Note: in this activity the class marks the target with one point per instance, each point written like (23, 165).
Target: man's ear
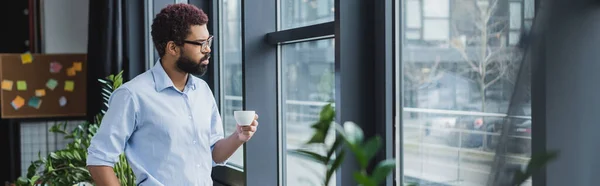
(172, 48)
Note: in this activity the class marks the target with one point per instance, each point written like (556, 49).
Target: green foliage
(68, 166)
(351, 137)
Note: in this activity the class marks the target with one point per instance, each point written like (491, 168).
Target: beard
(189, 66)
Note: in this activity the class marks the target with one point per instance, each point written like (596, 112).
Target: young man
(165, 120)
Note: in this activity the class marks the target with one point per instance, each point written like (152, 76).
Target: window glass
(307, 85)
(298, 13)
(435, 8)
(529, 9)
(515, 15)
(413, 14)
(231, 70)
(457, 82)
(435, 29)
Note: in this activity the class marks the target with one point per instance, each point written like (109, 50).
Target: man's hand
(244, 133)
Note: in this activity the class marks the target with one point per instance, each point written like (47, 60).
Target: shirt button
(198, 165)
(190, 116)
(194, 141)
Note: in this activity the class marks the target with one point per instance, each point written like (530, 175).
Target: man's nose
(206, 50)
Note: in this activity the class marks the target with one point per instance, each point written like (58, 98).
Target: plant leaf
(382, 170)
(327, 113)
(336, 164)
(309, 155)
(34, 179)
(322, 126)
(363, 179)
(336, 144)
(54, 155)
(354, 135)
(371, 147)
(320, 133)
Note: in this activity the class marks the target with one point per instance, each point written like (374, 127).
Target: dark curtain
(116, 43)
(105, 53)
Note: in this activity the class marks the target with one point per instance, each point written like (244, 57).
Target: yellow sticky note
(40, 92)
(77, 66)
(26, 58)
(18, 102)
(7, 85)
(71, 71)
(69, 86)
(21, 85)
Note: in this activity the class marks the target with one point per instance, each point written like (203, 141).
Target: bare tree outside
(485, 48)
(491, 59)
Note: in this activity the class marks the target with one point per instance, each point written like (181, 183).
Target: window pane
(298, 13)
(529, 9)
(413, 14)
(307, 85)
(436, 8)
(413, 34)
(231, 55)
(436, 30)
(513, 38)
(456, 95)
(515, 15)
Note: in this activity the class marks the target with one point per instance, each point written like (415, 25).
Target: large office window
(459, 67)
(231, 69)
(308, 84)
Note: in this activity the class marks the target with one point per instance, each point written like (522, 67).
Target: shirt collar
(162, 80)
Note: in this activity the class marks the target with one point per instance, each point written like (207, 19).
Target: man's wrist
(237, 139)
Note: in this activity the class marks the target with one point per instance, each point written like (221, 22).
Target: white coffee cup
(244, 117)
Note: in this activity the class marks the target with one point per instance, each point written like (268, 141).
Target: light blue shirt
(167, 135)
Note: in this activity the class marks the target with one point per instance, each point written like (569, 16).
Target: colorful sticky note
(69, 86)
(77, 66)
(62, 101)
(51, 84)
(18, 102)
(26, 58)
(55, 67)
(7, 85)
(21, 85)
(40, 92)
(35, 102)
(71, 71)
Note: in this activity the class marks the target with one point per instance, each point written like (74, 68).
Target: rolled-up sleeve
(216, 131)
(115, 129)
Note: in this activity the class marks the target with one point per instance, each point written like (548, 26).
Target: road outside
(425, 158)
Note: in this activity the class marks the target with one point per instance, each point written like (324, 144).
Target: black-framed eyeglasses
(204, 44)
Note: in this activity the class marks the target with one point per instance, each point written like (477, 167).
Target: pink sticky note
(55, 67)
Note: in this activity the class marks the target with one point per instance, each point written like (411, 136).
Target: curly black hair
(173, 24)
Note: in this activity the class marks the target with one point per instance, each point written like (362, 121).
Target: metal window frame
(301, 34)
(364, 90)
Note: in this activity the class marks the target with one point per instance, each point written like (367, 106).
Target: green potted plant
(68, 166)
(347, 137)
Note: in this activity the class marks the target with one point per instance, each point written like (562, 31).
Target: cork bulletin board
(43, 85)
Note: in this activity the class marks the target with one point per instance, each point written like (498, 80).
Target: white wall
(64, 30)
(65, 26)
